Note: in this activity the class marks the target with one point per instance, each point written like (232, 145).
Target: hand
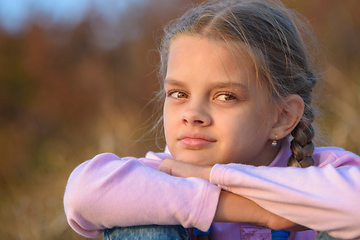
(183, 169)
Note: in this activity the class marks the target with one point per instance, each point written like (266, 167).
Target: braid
(302, 146)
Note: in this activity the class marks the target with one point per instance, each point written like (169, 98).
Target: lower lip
(195, 143)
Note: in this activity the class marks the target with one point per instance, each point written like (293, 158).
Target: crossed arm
(231, 207)
(328, 193)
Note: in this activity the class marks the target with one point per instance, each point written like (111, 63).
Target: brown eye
(178, 94)
(226, 97)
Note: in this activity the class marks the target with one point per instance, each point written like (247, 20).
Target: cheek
(172, 114)
(167, 127)
(232, 123)
(169, 121)
(166, 114)
(241, 130)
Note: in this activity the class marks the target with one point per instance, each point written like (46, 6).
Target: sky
(15, 15)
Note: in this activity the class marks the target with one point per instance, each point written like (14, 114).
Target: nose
(196, 114)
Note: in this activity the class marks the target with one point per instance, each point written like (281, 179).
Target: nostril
(196, 121)
(195, 118)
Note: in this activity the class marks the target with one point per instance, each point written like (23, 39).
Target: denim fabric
(325, 236)
(148, 232)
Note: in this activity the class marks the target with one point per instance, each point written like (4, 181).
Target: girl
(237, 83)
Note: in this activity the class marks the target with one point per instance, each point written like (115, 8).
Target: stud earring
(274, 142)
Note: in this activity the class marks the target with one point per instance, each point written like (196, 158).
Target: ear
(290, 112)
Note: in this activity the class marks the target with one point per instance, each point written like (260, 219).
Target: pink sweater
(108, 191)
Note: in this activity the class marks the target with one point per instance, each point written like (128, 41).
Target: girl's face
(214, 112)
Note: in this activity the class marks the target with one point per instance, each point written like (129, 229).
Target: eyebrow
(173, 82)
(220, 85)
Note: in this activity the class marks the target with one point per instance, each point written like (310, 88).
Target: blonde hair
(274, 39)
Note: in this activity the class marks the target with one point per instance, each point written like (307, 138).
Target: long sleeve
(324, 198)
(108, 191)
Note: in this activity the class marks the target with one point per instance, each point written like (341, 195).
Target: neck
(268, 154)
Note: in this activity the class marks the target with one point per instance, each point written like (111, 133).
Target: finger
(164, 169)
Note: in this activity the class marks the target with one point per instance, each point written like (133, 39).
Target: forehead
(227, 52)
(209, 59)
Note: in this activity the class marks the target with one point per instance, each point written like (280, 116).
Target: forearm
(231, 207)
(301, 195)
(235, 208)
(107, 192)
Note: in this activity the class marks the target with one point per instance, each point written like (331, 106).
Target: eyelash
(228, 94)
(170, 93)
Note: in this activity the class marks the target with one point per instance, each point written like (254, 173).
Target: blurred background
(77, 78)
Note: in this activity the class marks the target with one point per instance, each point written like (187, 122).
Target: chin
(193, 159)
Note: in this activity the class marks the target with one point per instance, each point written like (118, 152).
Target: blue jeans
(147, 232)
(325, 236)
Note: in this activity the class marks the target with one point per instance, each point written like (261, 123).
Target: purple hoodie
(109, 191)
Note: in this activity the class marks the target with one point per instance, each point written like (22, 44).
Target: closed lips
(199, 136)
(196, 141)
